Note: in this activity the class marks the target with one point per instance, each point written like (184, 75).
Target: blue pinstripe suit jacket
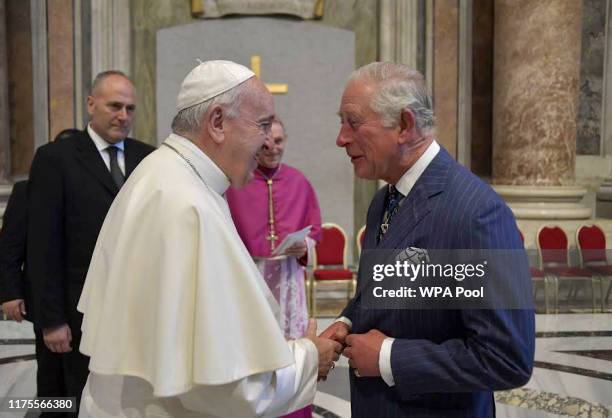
(445, 363)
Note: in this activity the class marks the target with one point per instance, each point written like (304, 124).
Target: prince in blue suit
(425, 363)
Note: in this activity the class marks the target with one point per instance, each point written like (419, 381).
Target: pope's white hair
(398, 87)
(190, 120)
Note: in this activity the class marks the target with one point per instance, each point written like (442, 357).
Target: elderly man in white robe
(178, 321)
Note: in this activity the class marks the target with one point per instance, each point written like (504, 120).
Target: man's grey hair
(190, 120)
(102, 76)
(398, 87)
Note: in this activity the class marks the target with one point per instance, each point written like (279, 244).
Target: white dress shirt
(404, 186)
(101, 145)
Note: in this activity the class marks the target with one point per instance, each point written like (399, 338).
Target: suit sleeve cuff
(346, 321)
(384, 361)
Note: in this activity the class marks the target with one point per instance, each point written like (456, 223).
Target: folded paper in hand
(292, 239)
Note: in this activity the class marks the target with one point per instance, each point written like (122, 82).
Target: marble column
(604, 194)
(398, 38)
(446, 72)
(5, 145)
(110, 36)
(535, 98)
(60, 42)
(40, 78)
(5, 155)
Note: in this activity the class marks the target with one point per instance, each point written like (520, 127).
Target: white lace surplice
(285, 278)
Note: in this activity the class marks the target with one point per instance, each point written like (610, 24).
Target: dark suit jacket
(70, 193)
(445, 363)
(13, 281)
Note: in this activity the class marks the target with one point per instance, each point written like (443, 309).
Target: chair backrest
(553, 245)
(359, 239)
(332, 249)
(591, 242)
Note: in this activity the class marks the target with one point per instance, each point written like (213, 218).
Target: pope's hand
(14, 309)
(329, 350)
(57, 339)
(297, 250)
(336, 331)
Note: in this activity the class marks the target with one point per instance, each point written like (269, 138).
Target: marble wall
(588, 141)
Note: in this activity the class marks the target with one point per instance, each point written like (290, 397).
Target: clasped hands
(362, 350)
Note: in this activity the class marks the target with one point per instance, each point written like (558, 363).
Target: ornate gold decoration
(211, 9)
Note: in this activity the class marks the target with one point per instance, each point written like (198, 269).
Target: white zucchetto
(209, 79)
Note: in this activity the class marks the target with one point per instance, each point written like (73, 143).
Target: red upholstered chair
(359, 239)
(547, 280)
(591, 241)
(330, 263)
(554, 259)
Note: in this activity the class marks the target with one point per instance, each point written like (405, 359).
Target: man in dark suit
(15, 291)
(72, 185)
(425, 363)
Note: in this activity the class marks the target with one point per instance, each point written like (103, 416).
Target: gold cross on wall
(273, 88)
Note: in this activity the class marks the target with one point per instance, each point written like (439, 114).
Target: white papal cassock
(177, 319)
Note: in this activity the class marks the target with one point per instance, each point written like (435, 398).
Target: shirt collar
(100, 143)
(206, 168)
(410, 177)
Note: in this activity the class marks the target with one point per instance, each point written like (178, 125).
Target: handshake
(362, 350)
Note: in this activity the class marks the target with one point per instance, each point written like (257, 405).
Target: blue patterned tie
(394, 200)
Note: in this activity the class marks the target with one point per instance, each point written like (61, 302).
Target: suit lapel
(417, 204)
(132, 157)
(91, 159)
(374, 217)
(413, 209)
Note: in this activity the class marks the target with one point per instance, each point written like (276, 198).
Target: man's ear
(215, 119)
(90, 104)
(406, 124)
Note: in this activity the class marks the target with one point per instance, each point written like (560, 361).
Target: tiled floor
(573, 374)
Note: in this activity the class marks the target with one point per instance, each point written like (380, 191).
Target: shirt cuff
(346, 321)
(384, 361)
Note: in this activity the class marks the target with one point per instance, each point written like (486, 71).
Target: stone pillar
(60, 55)
(604, 194)
(5, 154)
(535, 98)
(446, 72)
(5, 145)
(110, 36)
(398, 39)
(40, 76)
(398, 36)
